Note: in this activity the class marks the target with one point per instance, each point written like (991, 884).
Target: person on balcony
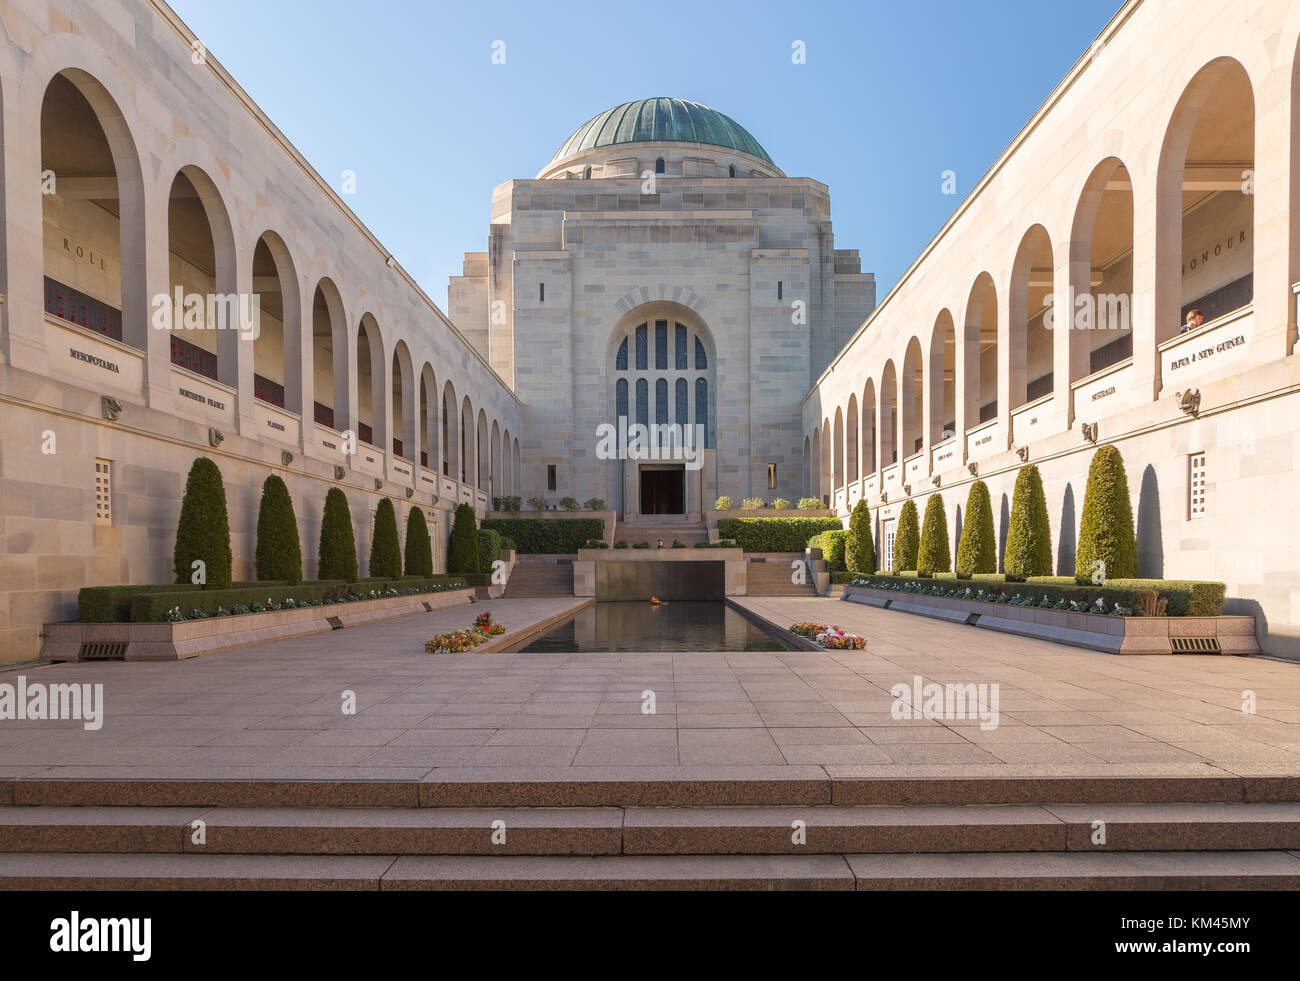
(1194, 319)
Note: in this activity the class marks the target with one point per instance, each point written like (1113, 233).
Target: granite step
(651, 831)
(1184, 871)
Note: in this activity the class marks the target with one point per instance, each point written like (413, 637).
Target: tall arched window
(652, 360)
(659, 166)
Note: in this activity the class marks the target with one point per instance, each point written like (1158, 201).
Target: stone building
(664, 270)
(1046, 317)
(134, 169)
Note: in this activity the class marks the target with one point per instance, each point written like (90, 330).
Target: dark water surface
(645, 628)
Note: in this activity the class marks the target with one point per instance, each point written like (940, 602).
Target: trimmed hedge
(775, 534)
(279, 550)
(462, 546)
(935, 554)
(489, 549)
(338, 545)
(977, 551)
(154, 607)
(1185, 598)
(1106, 527)
(548, 536)
(833, 545)
(385, 553)
(1029, 537)
(860, 548)
(907, 539)
(203, 531)
(419, 548)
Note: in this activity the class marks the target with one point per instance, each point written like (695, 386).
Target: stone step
(635, 786)
(651, 831)
(530, 580)
(1182, 871)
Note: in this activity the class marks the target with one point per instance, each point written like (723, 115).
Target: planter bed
(1110, 634)
(193, 638)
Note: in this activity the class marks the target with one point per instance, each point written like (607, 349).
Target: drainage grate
(1196, 645)
(335, 623)
(115, 651)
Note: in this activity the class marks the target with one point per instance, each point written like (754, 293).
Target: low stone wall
(1112, 635)
(194, 638)
(586, 578)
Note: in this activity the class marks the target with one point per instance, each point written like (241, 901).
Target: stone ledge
(194, 638)
(1111, 635)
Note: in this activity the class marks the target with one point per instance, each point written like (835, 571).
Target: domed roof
(661, 121)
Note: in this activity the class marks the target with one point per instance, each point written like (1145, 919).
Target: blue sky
(405, 94)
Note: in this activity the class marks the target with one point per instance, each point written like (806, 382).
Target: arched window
(701, 356)
(642, 402)
(702, 410)
(642, 349)
(621, 398)
(680, 348)
(731, 171)
(620, 363)
(587, 174)
(681, 403)
(661, 402)
(659, 166)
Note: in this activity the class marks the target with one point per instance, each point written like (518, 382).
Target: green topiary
(419, 550)
(385, 553)
(338, 545)
(279, 550)
(1107, 544)
(489, 549)
(935, 554)
(860, 550)
(724, 503)
(462, 548)
(1029, 536)
(203, 531)
(907, 539)
(977, 552)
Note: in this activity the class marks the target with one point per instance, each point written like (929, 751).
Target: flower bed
(463, 641)
(831, 638)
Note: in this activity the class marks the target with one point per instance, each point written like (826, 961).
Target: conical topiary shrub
(279, 551)
(203, 531)
(1029, 536)
(907, 539)
(385, 553)
(977, 552)
(462, 548)
(419, 550)
(935, 554)
(1107, 543)
(338, 545)
(860, 548)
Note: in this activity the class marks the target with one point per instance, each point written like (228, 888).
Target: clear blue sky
(404, 93)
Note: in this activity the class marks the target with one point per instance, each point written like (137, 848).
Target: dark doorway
(663, 491)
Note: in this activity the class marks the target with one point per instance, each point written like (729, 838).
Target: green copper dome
(661, 121)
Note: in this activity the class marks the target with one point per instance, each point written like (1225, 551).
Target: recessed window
(551, 477)
(1197, 477)
(771, 476)
(780, 290)
(659, 166)
(103, 492)
(541, 292)
(587, 175)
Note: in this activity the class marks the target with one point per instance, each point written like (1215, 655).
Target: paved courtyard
(276, 711)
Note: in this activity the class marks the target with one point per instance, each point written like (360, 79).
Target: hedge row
(489, 549)
(154, 607)
(1185, 599)
(833, 545)
(547, 536)
(112, 604)
(775, 534)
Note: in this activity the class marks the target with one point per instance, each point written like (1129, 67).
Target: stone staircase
(774, 577)
(652, 531)
(533, 578)
(591, 834)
